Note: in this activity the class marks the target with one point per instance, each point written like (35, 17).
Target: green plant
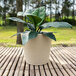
(36, 18)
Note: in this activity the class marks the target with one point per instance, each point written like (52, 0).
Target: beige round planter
(37, 50)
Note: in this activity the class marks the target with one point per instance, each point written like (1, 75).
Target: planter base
(36, 51)
(37, 62)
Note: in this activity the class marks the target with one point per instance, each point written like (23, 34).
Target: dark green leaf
(36, 16)
(19, 33)
(50, 35)
(35, 20)
(28, 36)
(29, 25)
(32, 34)
(16, 19)
(39, 12)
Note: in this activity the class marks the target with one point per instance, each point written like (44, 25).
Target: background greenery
(64, 10)
(63, 35)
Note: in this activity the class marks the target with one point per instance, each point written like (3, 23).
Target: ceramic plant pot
(36, 51)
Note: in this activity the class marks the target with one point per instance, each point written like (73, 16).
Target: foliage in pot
(35, 25)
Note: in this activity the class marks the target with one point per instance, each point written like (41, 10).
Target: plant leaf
(16, 19)
(56, 24)
(25, 37)
(35, 20)
(19, 33)
(28, 12)
(28, 36)
(50, 35)
(29, 25)
(39, 12)
(32, 34)
(36, 16)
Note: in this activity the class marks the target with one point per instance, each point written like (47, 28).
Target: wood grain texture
(62, 62)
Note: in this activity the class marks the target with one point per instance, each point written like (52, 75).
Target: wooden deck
(62, 63)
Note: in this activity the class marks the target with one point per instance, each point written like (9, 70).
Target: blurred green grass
(6, 33)
(63, 35)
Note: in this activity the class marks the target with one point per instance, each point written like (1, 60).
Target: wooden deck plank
(4, 58)
(59, 64)
(71, 55)
(22, 68)
(42, 71)
(62, 63)
(69, 61)
(27, 70)
(13, 68)
(9, 64)
(52, 69)
(32, 72)
(6, 62)
(47, 70)
(62, 70)
(19, 65)
(23, 65)
(71, 50)
(66, 64)
(37, 71)
(1, 50)
(55, 65)
(3, 53)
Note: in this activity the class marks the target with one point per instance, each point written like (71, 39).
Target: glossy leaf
(56, 24)
(25, 37)
(50, 35)
(16, 19)
(39, 12)
(32, 16)
(28, 36)
(32, 35)
(19, 33)
(35, 20)
(36, 16)
(29, 25)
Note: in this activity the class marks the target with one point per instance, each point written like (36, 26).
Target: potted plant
(37, 43)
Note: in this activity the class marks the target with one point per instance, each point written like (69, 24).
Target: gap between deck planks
(62, 62)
